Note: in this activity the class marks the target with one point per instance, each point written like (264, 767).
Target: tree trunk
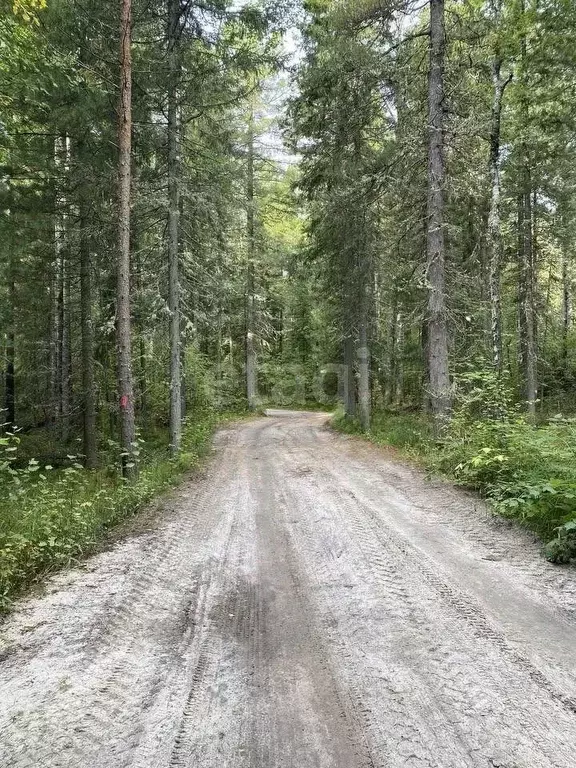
(399, 368)
(349, 377)
(251, 369)
(526, 296)
(142, 374)
(363, 357)
(493, 234)
(392, 350)
(396, 342)
(218, 372)
(9, 375)
(90, 448)
(62, 163)
(174, 226)
(426, 407)
(123, 320)
(53, 363)
(65, 352)
(566, 306)
(438, 364)
(527, 324)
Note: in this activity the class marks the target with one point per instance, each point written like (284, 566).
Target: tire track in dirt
(464, 516)
(223, 617)
(395, 714)
(294, 609)
(119, 664)
(341, 707)
(399, 570)
(561, 622)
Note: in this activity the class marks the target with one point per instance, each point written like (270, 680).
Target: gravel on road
(307, 602)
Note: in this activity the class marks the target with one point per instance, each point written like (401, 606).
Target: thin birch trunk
(493, 235)
(566, 305)
(525, 298)
(399, 369)
(529, 310)
(62, 162)
(10, 363)
(53, 364)
(392, 350)
(65, 351)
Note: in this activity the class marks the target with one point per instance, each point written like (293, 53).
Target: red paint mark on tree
(124, 402)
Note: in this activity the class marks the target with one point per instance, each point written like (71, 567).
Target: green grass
(308, 405)
(528, 473)
(410, 433)
(50, 518)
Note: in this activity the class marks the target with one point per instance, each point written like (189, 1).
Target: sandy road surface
(307, 603)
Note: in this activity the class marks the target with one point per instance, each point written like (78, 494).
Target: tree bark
(527, 325)
(62, 163)
(389, 392)
(566, 306)
(89, 431)
(365, 313)
(173, 227)
(53, 363)
(526, 296)
(251, 363)
(396, 342)
(493, 234)
(438, 363)
(10, 365)
(349, 377)
(399, 367)
(123, 320)
(142, 373)
(363, 357)
(65, 351)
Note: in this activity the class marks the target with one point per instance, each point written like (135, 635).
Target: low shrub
(562, 549)
(50, 518)
(410, 432)
(527, 472)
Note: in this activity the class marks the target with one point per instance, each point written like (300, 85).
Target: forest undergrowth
(526, 471)
(52, 517)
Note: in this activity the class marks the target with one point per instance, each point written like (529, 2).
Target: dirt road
(308, 603)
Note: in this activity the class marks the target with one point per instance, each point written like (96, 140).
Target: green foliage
(540, 503)
(527, 472)
(410, 432)
(344, 423)
(330, 384)
(290, 385)
(50, 518)
(562, 549)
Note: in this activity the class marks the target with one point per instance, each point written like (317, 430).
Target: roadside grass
(308, 405)
(526, 472)
(410, 433)
(51, 518)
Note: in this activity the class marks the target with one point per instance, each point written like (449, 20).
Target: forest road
(308, 602)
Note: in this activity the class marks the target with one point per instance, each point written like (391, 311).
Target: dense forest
(209, 207)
